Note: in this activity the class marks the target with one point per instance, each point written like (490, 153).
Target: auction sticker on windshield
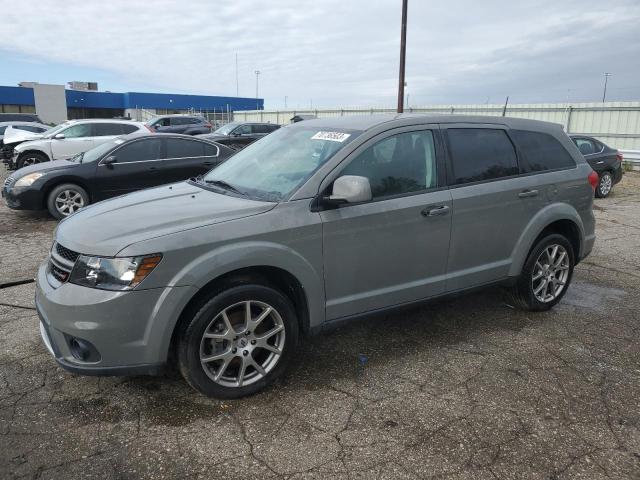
(333, 136)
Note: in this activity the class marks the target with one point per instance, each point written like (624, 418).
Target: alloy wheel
(242, 343)
(606, 183)
(68, 202)
(550, 273)
(30, 161)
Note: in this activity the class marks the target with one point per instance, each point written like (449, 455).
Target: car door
(133, 166)
(186, 158)
(492, 203)
(392, 249)
(77, 139)
(242, 135)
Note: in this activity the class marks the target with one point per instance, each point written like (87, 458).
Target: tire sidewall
(191, 336)
(51, 204)
(20, 162)
(526, 287)
(599, 193)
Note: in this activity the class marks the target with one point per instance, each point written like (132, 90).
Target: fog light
(83, 350)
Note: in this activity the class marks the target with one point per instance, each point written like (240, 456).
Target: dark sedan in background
(119, 166)
(185, 124)
(238, 135)
(605, 161)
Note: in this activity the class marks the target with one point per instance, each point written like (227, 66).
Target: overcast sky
(330, 52)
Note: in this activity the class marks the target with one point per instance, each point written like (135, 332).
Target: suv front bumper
(130, 332)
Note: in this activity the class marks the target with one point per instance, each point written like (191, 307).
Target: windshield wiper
(225, 185)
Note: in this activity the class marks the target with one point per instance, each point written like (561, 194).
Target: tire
(524, 293)
(75, 197)
(605, 185)
(30, 158)
(236, 347)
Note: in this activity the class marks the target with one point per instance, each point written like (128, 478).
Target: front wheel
(239, 341)
(66, 199)
(546, 274)
(605, 185)
(30, 158)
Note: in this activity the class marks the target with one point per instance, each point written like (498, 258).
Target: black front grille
(58, 273)
(66, 253)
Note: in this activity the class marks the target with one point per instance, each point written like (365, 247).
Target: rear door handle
(528, 193)
(435, 211)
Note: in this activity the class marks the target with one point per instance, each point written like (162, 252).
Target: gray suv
(319, 222)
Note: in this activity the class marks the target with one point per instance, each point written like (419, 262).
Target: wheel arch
(555, 218)
(56, 182)
(33, 150)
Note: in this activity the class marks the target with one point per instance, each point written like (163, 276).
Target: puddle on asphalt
(591, 296)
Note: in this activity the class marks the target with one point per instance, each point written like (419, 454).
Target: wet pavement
(462, 389)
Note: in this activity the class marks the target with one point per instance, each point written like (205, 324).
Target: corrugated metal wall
(615, 123)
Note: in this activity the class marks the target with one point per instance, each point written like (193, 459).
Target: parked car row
(317, 223)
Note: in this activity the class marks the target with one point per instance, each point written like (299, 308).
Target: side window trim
(440, 165)
(449, 159)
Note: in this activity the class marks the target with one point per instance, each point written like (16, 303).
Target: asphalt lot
(467, 388)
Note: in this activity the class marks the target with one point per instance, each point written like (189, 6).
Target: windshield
(226, 129)
(53, 130)
(274, 167)
(97, 152)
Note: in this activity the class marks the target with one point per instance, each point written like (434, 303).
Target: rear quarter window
(541, 152)
(480, 154)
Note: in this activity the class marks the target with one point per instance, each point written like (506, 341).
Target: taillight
(149, 128)
(620, 157)
(593, 180)
(208, 125)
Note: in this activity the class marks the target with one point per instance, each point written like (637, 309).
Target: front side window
(275, 166)
(184, 148)
(541, 151)
(397, 165)
(242, 130)
(480, 154)
(140, 150)
(77, 131)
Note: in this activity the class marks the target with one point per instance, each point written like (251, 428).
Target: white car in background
(14, 132)
(71, 138)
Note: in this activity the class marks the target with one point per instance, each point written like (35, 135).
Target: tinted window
(29, 128)
(273, 128)
(128, 128)
(479, 154)
(260, 129)
(541, 151)
(77, 131)
(398, 164)
(210, 150)
(139, 150)
(2, 129)
(106, 129)
(182, 121)
(242, 130)
(182, 147)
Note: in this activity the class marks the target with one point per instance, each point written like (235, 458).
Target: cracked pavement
(467, 388)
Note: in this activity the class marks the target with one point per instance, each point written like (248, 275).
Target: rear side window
(106, 129)
(541, 152)
(210, 150)
(139, 150)
(128, 128)
(260, 129)
(182, 121)
(480, 154)
(183, 148)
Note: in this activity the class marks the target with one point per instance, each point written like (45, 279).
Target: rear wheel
(605, 185)
(31, 158)
(66, 199)
(546, 274)
(239, 341)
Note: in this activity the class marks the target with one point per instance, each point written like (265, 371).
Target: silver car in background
(317, 223)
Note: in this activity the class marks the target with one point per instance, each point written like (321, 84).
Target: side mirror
(110, 160)
(350, 189)
(59, 136)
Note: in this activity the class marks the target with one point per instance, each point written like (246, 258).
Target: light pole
(285, 102)
(403, 54)
(257, 72)
(604, 93)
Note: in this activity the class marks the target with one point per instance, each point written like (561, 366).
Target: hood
(43, 167)
(107, 227)
(16, 135)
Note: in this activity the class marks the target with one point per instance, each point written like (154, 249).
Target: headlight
(28, 180)
(113, 273)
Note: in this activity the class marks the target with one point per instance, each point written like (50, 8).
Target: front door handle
(435, 211)
(528, 194)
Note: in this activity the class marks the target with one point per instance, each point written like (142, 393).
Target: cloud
(336, 52)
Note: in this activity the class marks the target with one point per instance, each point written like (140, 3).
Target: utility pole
(237, 84)
(257, 72)
(504, 109)
(403, 54)
(604, 94)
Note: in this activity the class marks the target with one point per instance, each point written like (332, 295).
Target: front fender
(549, 214)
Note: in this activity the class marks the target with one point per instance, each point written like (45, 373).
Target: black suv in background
(185, 124)
(605, 161)
(238, 135)
(19, 117)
